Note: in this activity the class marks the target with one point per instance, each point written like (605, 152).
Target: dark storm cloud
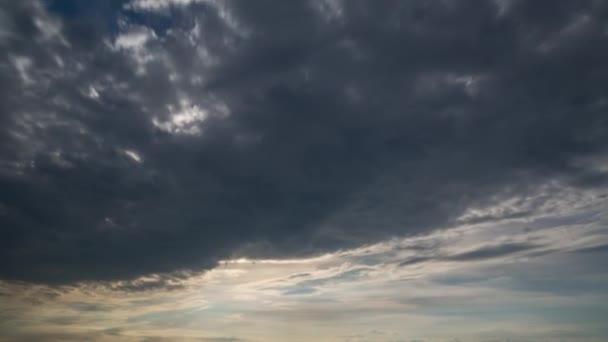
(327, 125)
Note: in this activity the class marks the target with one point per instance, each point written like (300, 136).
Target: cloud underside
(164, 136)
(491, 281)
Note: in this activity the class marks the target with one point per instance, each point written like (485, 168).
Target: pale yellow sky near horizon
(452, 283)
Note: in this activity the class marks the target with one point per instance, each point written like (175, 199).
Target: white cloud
(134, 42)
(183, 121)
(186, 118)
(136, 157)
(152, 5)
(50, 28)
(135, 38)
(92, 93)
(23, 64)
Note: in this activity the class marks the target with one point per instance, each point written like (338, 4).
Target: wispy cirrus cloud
(448, 282)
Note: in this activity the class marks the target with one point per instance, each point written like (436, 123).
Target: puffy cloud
(146, 142)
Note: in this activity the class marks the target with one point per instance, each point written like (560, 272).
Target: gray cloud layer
(140, 140)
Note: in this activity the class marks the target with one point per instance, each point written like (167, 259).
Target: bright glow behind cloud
(451, 283)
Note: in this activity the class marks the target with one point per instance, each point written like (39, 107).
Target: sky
(307, 170)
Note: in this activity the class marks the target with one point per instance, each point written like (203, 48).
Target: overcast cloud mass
(310, 170)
